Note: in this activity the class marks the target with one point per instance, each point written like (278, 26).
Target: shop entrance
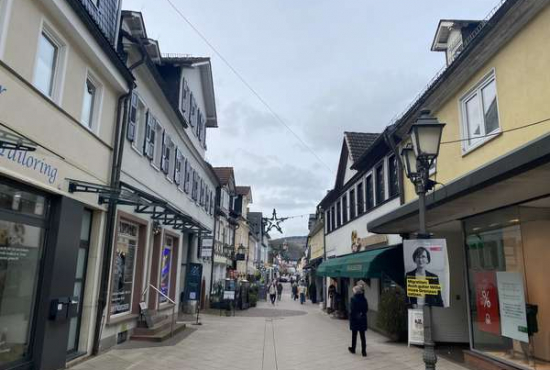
(22, 234)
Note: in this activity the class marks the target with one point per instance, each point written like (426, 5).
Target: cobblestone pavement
(288, 336)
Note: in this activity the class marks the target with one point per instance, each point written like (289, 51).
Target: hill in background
(296, 246)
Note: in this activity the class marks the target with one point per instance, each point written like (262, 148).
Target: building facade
(493, 161)
(59, 103)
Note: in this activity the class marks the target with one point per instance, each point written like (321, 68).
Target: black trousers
(354, 340)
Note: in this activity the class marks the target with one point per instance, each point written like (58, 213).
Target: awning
(159, 210)
(372, 263)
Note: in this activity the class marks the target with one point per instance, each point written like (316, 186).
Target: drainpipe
(120, 135)
(213, 246)
(325, 295)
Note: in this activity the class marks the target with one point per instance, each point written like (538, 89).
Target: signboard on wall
(416, 326)
(488, 319)
(513, 314)
(206, 247)
(427, 272)
(193, 282)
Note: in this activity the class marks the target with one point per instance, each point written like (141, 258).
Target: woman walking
(273, 292)
(302, 290)
(279, 290)
(358, 319)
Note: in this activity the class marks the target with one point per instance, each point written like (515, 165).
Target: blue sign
(193, 282)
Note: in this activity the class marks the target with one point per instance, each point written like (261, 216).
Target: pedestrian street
(286, 336)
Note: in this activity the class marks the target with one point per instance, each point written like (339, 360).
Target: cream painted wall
(523, 93)
(24, 28)
(317, 244)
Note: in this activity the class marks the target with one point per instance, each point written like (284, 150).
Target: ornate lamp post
(425, 135)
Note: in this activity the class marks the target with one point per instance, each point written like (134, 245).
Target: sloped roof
(224, 174)
(358, 142)
(243, 190)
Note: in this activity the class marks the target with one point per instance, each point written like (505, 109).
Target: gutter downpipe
(112, 208)
(325, 295)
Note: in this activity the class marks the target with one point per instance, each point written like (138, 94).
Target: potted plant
(392, 313)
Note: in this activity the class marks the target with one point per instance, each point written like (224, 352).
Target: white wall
(349, 172)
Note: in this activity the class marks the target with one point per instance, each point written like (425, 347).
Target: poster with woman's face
(427, 272)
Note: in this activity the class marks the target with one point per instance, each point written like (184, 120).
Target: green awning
(367, 264)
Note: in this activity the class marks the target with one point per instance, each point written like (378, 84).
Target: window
(338, 214)
(352, 204)
(150, 136)
(167, 149)
(370, 192)
(124, 267)
(192, 110)
(166, 268)
(184, 101)
(480, 113)
(178, 167)
(158, 149)
(345, 208)
(194, 191)
(393, 177)
(333, 219)
(89, 103)
(380, 190)
(46, 64)
(133, 119)
(187, 177)
(199, 122)
(327, 221)
(360, 199)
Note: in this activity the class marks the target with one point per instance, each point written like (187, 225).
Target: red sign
(488, 318)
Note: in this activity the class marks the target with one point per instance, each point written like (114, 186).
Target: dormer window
(451, 37)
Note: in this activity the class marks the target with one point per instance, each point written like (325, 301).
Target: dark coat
(430, 300)
(358, 312)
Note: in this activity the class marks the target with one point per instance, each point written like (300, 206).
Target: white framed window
(50, 63)
(184, 98)
(179, 172)
(137, 122)
(159, 147)
(187, 177)
(91, 103)
(5, 12)
(479, 113)
(149, 137)
(166, 164)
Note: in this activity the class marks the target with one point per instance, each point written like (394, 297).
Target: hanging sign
(513, 315)
(206, 247)
(488, 319)
(416, 326)
(427, 276)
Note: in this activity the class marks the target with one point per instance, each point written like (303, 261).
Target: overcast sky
(324, 66)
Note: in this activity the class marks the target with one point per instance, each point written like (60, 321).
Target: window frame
(5, 15)
(345, 205)
(469, 145)
(352, 204)
(97, 103)
(393, 158)
(360, 191)
(142, 113)
(50, 32)
(338, 213)
(371, 205)
(379, 165)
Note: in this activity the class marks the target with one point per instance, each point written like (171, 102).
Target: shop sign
(488, 319)
(513, 315)
(206, 248)
(31, 161)
(416, 326)
(356, 267)
(193, 282)
(427, 272)
(358, 244)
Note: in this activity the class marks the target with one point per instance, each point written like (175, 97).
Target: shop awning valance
(145, 203)
(368, 264)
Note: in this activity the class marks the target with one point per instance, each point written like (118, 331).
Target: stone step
(159, 336)
(159, 326)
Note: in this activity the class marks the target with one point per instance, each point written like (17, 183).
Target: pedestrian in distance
(279, 290)
(358, 319)
(302, 291)
(294, 291)
(273, 292)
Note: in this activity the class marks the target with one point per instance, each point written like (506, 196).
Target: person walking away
(358, 319)
(294, 291)
(302, 292)
(272, 292)
(279, 290)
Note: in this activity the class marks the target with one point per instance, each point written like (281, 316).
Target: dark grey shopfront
(40, 244)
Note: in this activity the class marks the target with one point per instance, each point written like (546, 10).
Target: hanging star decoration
(274, 222)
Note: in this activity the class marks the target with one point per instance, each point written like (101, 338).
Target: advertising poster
(427, 272)
(165, 272)
(513, 315)
(193, 281)
(416, 326)
(488, 319)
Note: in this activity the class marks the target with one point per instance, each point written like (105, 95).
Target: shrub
(392, 312)
(252, 298)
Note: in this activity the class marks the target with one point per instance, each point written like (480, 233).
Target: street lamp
(425, 135)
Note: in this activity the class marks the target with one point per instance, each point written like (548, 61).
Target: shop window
(360, 199)
(370, 192)
(393, 176)
(124, 265)
(507, 259)
(479, 108)
(166, 267)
